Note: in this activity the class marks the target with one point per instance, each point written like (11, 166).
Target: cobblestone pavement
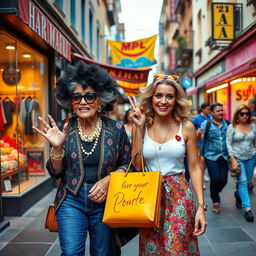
(227, 234)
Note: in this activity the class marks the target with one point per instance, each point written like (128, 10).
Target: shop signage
(38, 22)
(131, 80)
(241, 92)
(223, 21)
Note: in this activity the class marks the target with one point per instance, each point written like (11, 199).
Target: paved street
(227, 233)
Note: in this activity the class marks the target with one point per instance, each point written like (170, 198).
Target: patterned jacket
(115, 151)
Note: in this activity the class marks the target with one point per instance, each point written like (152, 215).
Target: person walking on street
(84, 151)
(163, 134)
(197, 121)
(213, 131)
(252, 107)
(241, 142)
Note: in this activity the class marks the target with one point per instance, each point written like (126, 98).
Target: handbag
(133, 198)
(51, 221)
(234, 172)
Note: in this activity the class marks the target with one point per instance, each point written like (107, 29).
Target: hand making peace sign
(137, 114)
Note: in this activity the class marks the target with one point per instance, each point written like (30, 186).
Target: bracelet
(204, 206)
(56, 158)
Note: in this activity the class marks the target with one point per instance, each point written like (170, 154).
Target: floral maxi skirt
(174, 237)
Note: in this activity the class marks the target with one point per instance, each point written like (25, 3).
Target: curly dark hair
(87, 75)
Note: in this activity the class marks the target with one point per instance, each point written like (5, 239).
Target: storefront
(29, 45)
(238, 83)
(231, 77)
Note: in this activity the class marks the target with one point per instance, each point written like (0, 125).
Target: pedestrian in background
(128, 124)
(163, 133)
(252, 107)
(241, 143)
(84, 152)
(213, 131)
(197, 121)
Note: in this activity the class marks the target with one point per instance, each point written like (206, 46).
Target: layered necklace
(90, 138)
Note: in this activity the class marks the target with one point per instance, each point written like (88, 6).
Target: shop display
(23, 98)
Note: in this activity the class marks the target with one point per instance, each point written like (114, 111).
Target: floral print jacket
(115, 151)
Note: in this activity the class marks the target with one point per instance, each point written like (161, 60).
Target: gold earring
(99, 109)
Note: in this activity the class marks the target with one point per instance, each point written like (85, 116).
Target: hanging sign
(223, 27)
(134, 54)
(130, 80)
(40, 24)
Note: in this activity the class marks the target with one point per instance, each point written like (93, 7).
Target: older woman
(241, 143)
(163, 133)
(85, 150)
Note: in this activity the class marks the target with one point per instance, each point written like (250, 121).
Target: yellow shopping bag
(133, 199)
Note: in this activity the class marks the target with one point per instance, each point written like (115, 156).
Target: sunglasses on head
(170, 77)
(89, 97)
(244, 113)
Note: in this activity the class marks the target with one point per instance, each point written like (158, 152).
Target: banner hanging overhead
(223, 21)
(135, 54)
(130, 80)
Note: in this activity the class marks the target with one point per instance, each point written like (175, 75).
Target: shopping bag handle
(142, 163)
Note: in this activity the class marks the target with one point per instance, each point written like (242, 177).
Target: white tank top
(169, 160)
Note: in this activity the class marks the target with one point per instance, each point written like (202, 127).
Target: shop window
(91, 30)
(98, 41)
(73, 13)
(83, 17)
(60, 3)
(23, 97)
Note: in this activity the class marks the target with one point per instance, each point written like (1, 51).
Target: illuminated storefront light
(217, 88)
(243, 79)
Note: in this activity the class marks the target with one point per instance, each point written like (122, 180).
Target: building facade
(224, 71)
(38, 40)
(176, 40)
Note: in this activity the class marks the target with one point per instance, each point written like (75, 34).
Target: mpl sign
(223, 27)
(37, 21)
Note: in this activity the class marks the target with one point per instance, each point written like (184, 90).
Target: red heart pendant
(177, 137)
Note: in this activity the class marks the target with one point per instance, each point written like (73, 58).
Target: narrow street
(227, 234)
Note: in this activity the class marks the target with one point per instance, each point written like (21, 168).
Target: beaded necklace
(94, 136)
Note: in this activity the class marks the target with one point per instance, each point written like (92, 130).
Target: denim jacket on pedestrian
(115, 151)
(215, 142)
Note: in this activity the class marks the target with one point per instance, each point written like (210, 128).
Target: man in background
(197, 121)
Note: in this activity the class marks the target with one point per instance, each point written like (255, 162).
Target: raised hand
(137, 115)
(53, 134)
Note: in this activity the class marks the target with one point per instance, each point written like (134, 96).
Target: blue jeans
(247, 167)
(218, 172)
(77, 215)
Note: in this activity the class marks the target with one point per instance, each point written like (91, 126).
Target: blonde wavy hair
(181, 111)
(236, 113)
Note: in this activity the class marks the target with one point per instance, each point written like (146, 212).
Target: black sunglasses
(89, 97)
(244, 113)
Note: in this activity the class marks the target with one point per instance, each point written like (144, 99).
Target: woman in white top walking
(241, 143)
(163, 134)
